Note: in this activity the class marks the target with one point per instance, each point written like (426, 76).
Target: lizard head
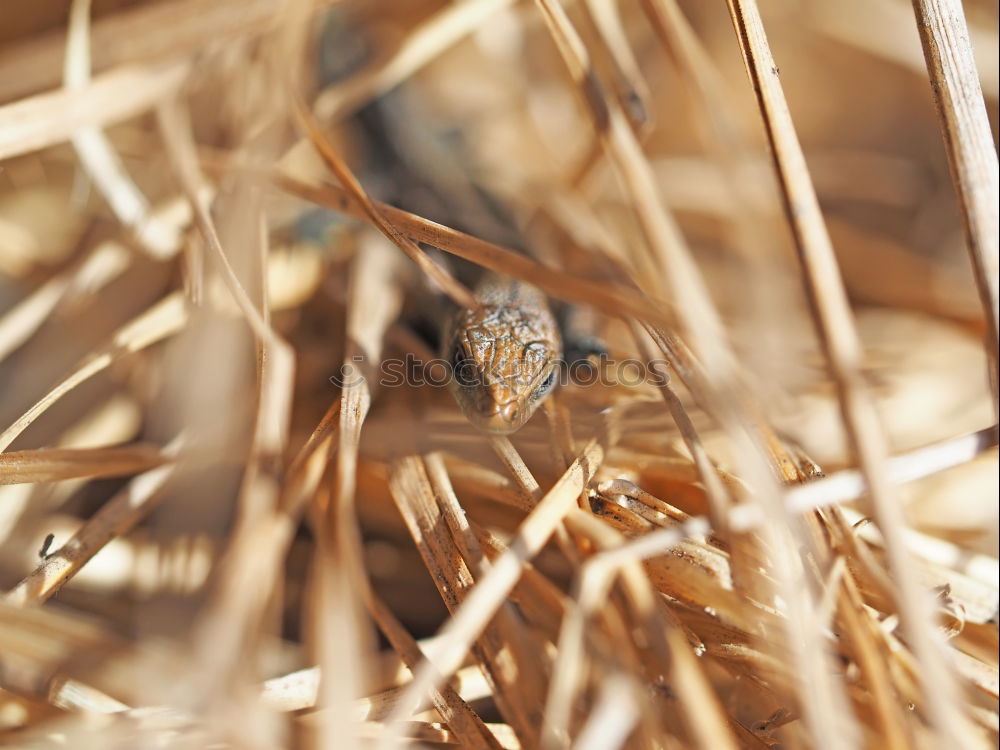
(505, 361)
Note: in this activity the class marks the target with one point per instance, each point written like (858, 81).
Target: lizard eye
(464, 369)
(546, 385)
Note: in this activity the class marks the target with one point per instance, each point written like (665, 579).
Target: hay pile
(221, 525)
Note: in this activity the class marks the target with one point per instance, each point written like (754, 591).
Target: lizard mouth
(507, 417)
(501, 419)
(497, 426)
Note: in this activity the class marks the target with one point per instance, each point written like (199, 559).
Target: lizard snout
(508, 412)
(502, 418)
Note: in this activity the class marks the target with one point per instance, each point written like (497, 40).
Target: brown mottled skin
(504, 354)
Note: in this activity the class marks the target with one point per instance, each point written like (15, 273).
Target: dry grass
(789, 542)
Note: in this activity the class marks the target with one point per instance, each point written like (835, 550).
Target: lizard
(506, 353)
